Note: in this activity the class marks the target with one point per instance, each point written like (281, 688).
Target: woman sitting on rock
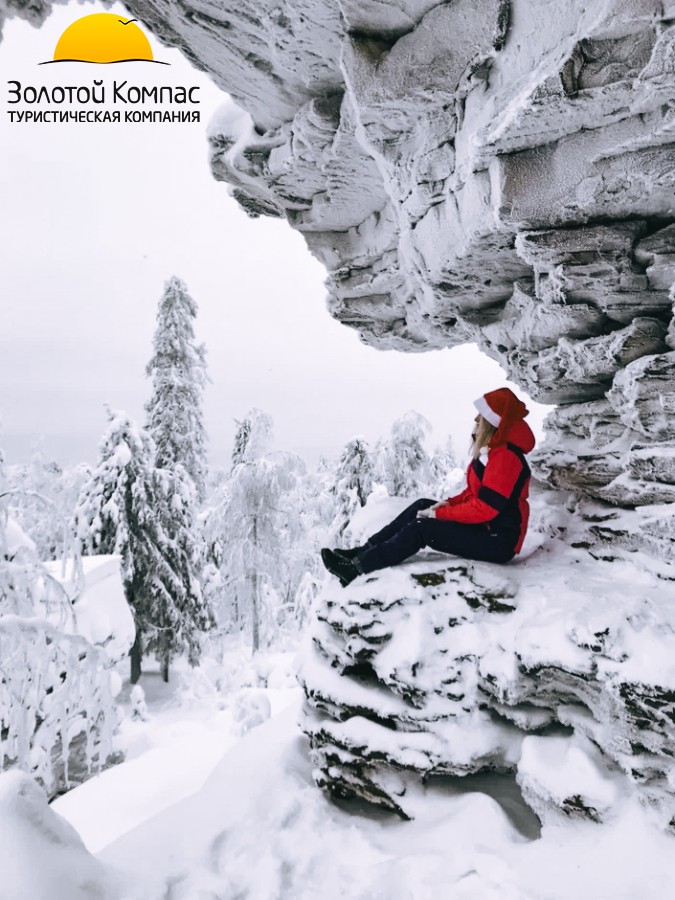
(487, 521)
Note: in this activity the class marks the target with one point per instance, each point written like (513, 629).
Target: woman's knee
(424, 503)
(409, 514)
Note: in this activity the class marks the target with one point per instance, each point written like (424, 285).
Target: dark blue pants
(407, 534)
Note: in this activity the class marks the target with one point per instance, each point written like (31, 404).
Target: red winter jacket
(496, 493)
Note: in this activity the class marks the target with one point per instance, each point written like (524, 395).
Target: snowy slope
(41, 855)
(260, 829)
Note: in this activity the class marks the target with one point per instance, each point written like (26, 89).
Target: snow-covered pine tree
(253, 439)
(444, 473)
(241, 440)
(180, 614)
(178, 371)
(403, 463)
(352, 483)
(129, 506)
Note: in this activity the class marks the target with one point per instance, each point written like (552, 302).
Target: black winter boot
(344, 569)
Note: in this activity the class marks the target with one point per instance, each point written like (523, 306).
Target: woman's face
(475, 427)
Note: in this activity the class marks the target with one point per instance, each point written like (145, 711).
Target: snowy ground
(216, 801)
(199, 812)
(189, 726)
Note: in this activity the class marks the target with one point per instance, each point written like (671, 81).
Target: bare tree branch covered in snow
(255, 533)
(42, 501)
(55, 686)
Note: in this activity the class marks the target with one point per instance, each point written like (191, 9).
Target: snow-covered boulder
(447, 666)
(567, 776)
(101, 613)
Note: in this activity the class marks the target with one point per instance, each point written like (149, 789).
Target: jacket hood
(521, 435)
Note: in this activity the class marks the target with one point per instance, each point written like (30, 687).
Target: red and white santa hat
(502, 409)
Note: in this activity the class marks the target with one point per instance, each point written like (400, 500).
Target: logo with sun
(103, 38)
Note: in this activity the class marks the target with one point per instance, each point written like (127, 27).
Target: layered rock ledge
(558, 667)
(497, 171)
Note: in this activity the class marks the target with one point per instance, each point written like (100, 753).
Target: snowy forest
(212, 560)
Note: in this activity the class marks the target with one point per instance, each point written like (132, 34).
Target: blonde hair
(484, 433)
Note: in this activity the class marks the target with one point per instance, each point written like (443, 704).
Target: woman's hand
(428, 513)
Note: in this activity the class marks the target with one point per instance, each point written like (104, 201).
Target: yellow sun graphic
(103, 38)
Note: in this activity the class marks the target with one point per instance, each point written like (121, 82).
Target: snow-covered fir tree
(254, 534)
(145, 513)
(352, 483)
(445, 475)
(403, 464)
(178, 372)
(241, 439)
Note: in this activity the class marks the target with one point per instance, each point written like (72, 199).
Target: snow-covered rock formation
(100, 611)
(496, 171)
(558, 667)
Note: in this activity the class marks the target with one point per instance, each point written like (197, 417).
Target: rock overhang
(497, 172)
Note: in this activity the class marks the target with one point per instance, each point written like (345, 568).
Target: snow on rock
(495, 171)
(448, 666)
(557, 773)
(41, 855)
(101, 612)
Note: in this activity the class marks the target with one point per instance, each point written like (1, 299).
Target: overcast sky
(95, 218)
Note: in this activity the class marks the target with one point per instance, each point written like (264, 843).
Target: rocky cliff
(498, 171)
